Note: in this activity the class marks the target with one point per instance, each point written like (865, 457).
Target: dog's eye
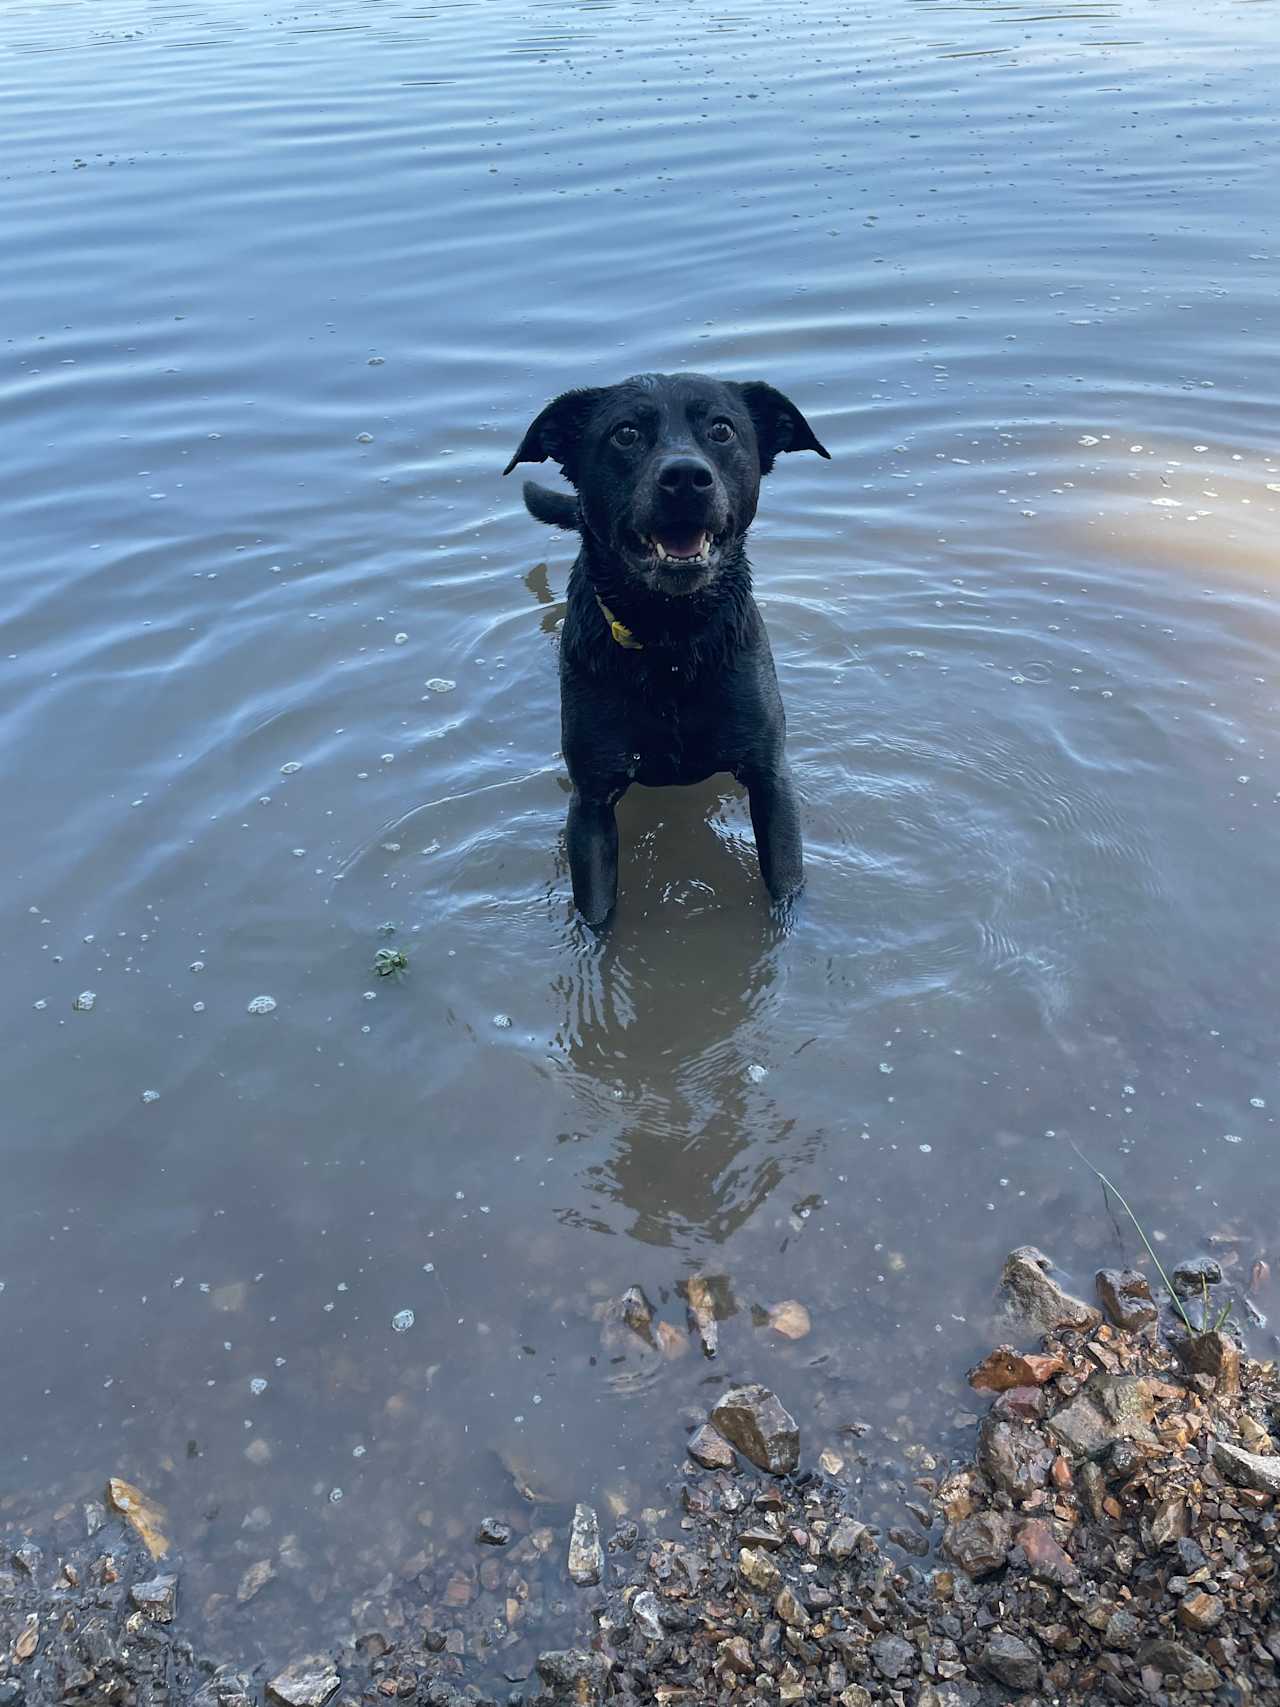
(720, 432)
(624, 436)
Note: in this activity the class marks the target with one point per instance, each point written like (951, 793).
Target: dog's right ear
(557, 431)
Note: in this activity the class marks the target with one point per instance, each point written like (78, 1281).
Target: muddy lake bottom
(318, 1258)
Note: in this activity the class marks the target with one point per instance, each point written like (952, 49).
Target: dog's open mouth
(682, 548)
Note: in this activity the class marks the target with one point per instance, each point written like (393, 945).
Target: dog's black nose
(685, 474)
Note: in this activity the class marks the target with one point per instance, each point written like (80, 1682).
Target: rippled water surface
(281, 290)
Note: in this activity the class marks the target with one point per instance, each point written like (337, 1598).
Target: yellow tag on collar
(619, 630)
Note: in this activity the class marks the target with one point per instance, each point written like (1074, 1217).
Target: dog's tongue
(681, 544)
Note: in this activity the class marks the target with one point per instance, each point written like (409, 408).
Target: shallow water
(281, 290)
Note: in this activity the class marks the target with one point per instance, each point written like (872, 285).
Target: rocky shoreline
(1113, 1537)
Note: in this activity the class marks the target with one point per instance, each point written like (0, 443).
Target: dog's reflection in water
(664, 1025)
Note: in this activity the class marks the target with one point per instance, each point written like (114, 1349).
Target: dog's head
(668, 467)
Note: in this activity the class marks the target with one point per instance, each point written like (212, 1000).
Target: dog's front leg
(592, 836)
(775, 818)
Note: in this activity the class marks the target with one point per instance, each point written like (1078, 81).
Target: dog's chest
(660, 727)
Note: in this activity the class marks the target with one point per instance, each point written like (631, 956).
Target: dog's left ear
(557, 431)
(778, 423)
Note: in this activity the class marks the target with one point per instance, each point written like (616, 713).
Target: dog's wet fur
(676, 681)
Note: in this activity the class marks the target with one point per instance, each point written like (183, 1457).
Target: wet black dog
(665, 670)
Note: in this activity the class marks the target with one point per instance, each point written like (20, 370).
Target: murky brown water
(280, 291)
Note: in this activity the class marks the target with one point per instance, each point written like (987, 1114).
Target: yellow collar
(619, 630)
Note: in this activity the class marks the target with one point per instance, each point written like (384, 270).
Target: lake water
(281, 289)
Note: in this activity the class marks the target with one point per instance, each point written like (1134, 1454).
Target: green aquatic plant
(389, 961)
(1106, 1184)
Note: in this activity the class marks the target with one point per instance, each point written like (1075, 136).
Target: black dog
(665, 670)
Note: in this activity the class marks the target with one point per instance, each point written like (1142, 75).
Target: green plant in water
(1193, 1331)
(390, 960)
(1206, 1314)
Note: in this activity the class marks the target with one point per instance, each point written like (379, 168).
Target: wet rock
(1013, 1458)
(735, 1654)
(1004, 1368)
(1200, 1611)
(1176, 1659)
(758, 1569)
(1033, 1300)
(1121, 1631)
(789, 1609)
(306, 1683)
(636, 1311)
(1189, 1279)
(254, 1580)
(156, 1598)
(1127, 1402)
(575, 1677)
(752, 1419)
(847, 1538)
(892, 1656)
(1126, 1297)
(586, 1556)
(702, 1313)
(1011, 1662)
(670, 1341)
(141, 1513)
(28, 1558)
(1093, 1489)
(646, 1614)
(1167, 1521)
(1110, 1408)
(1216, 1355)
(1247, 1469)
(1046, 1560)
(1020, 1404)
(708, 1447)
(979, 1544)
(493, 1532)
(790, 1319)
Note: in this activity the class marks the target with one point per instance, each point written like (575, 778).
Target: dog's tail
(557, 509)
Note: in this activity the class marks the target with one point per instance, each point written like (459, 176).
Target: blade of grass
(1107, 1186)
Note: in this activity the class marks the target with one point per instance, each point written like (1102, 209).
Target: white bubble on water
(151, 1096)
(258, 1385)
(262, 1005)
(289, 768)
(401, 639)
(1257, 1102)
(885, 1067)
(440, 684)
(755, 1072)
(502, 1021)
(335, 1494)
(84, 1002)
(1232, 1138)
(403, 1320)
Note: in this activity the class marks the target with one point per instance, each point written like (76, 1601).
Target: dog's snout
(683, 474)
